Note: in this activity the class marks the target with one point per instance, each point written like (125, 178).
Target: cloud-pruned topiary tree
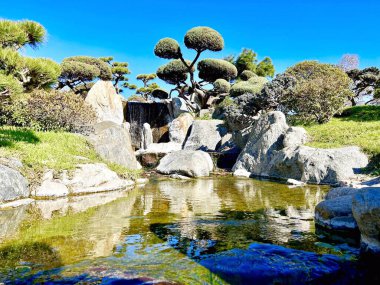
(119, 72)
(180, 72)
(146, 91)
(366, 83)
(79, 72)
(30, 73)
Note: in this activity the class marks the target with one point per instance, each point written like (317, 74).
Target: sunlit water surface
(219, 230)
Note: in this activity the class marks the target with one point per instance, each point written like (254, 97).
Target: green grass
(357, 126)
(50, 150)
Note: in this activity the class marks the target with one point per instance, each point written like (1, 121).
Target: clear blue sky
(287, 31)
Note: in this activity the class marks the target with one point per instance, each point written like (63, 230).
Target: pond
(219, 230)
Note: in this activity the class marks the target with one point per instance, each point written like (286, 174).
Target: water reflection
(163, 230)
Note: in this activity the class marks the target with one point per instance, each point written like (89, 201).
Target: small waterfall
(157, 115)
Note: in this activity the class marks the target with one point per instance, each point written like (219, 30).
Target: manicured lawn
(49, 150)
(358, 126)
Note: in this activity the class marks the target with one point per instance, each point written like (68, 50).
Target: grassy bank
(50, 150)
(358, 126)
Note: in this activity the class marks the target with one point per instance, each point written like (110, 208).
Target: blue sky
(286, 31)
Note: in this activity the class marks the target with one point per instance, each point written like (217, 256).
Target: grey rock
(240, 138)
(366, 210)
(113, 143)
(265, 140)
(179, 106)
(106, 102)
(12, 185)
(205, 135)
(295, 136)
(179, 128)
(92, 178)
(51, 189)
(341, 191)
(314, 165)
(147, 136)
(336, 214)
(275, 150)
(186, 162)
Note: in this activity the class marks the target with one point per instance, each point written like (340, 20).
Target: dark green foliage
(366, 82)
(16, 34)
(213, 69)
(265, 68)
(281, 86)
(204, 38)
(320, 92)
(160, 93)
(246, 60)
(173, 72)
(119, 72)
(247, 74)
(105, 72)
(167, 48)
(78, 72)
(9, 85)
(361, 113)
(221, 86)
(47, 110)
(39, 73)
(146, 90)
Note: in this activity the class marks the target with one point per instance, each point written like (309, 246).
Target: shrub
(173, 72)
(253, 86)
(160, 93)
(247, 74)
(204, 38)
(48, 110)
(320, 92)
(167, 48)
(221, 86)
(213, 69)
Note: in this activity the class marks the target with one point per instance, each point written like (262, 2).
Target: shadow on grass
(10, 136)
(361, 114)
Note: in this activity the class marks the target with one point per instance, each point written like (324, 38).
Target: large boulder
(113, 143)
(336, 214)
(366, 210)
(275, 150)
(265, 140)
(315, 165)
(179, 128)
(205, 135)
(151, 156)
(106, 102)
(92, 178)
(179, 106)
(147, 136)
(186, 162)
(12, 184)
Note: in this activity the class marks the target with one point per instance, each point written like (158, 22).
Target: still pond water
(219, 230)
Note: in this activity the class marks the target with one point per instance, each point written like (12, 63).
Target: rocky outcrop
(186, 162)
(314, 165)
(366, 210)
(179, 128)
(86, 178)
(179, 106)
(113, 143)
(12, 184)
(205, 135)
(106, 102)
(275, 150)
(336, 214)
(147, 136)
(151, 156)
